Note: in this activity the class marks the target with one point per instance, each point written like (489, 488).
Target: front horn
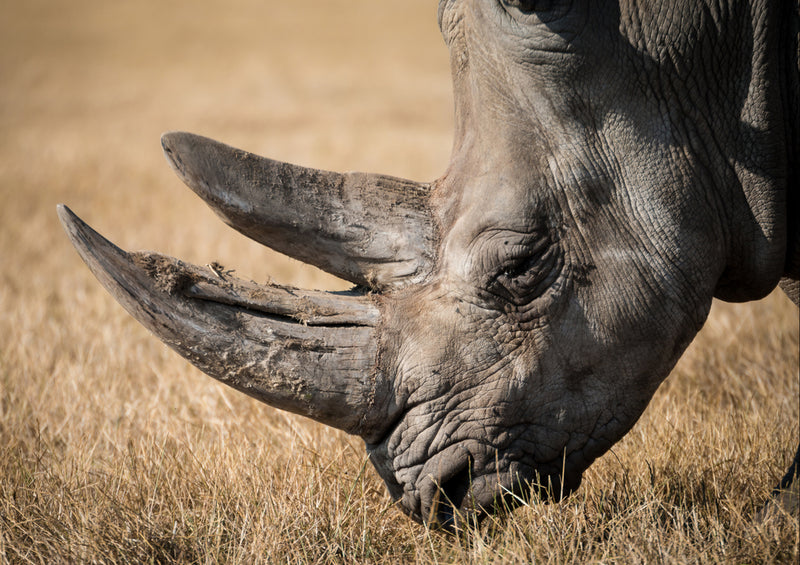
(309, 352)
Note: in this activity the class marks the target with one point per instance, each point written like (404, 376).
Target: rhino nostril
(451, 496)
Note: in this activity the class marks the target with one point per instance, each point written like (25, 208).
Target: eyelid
(517, 267)
(492, 250)
(529, 245)
(525, 277)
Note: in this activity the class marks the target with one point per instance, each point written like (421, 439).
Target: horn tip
(177, 140)
(171, 138)
(91, 246)
(188, 153)
(72, 224)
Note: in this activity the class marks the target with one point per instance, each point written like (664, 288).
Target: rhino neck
(791, 97)
(757, 198)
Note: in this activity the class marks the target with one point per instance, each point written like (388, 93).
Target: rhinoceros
(616, 166)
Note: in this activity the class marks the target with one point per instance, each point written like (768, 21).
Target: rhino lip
(461, 494)
(309, 352)
(487, 494)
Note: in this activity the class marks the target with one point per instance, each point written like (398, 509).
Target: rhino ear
(372, 230)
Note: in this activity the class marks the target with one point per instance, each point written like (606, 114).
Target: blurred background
(87, 87)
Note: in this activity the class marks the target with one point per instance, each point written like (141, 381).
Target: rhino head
(615, 167)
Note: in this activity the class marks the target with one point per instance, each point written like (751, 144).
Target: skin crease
(604, 185)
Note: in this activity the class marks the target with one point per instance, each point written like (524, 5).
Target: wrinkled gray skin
(615, 167)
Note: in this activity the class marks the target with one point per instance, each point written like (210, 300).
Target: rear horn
(372, 230)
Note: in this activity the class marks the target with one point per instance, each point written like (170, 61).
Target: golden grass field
(114, 449)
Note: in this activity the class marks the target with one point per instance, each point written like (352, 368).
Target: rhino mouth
(461, 498)
(469, 480)
(464, 499)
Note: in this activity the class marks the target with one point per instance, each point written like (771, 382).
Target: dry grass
(112, 449)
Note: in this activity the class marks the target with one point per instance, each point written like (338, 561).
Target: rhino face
(511, 320)
(566, 284)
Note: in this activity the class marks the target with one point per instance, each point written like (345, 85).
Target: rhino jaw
(309, 352)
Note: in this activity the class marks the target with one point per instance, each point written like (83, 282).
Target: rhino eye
(525, 276)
